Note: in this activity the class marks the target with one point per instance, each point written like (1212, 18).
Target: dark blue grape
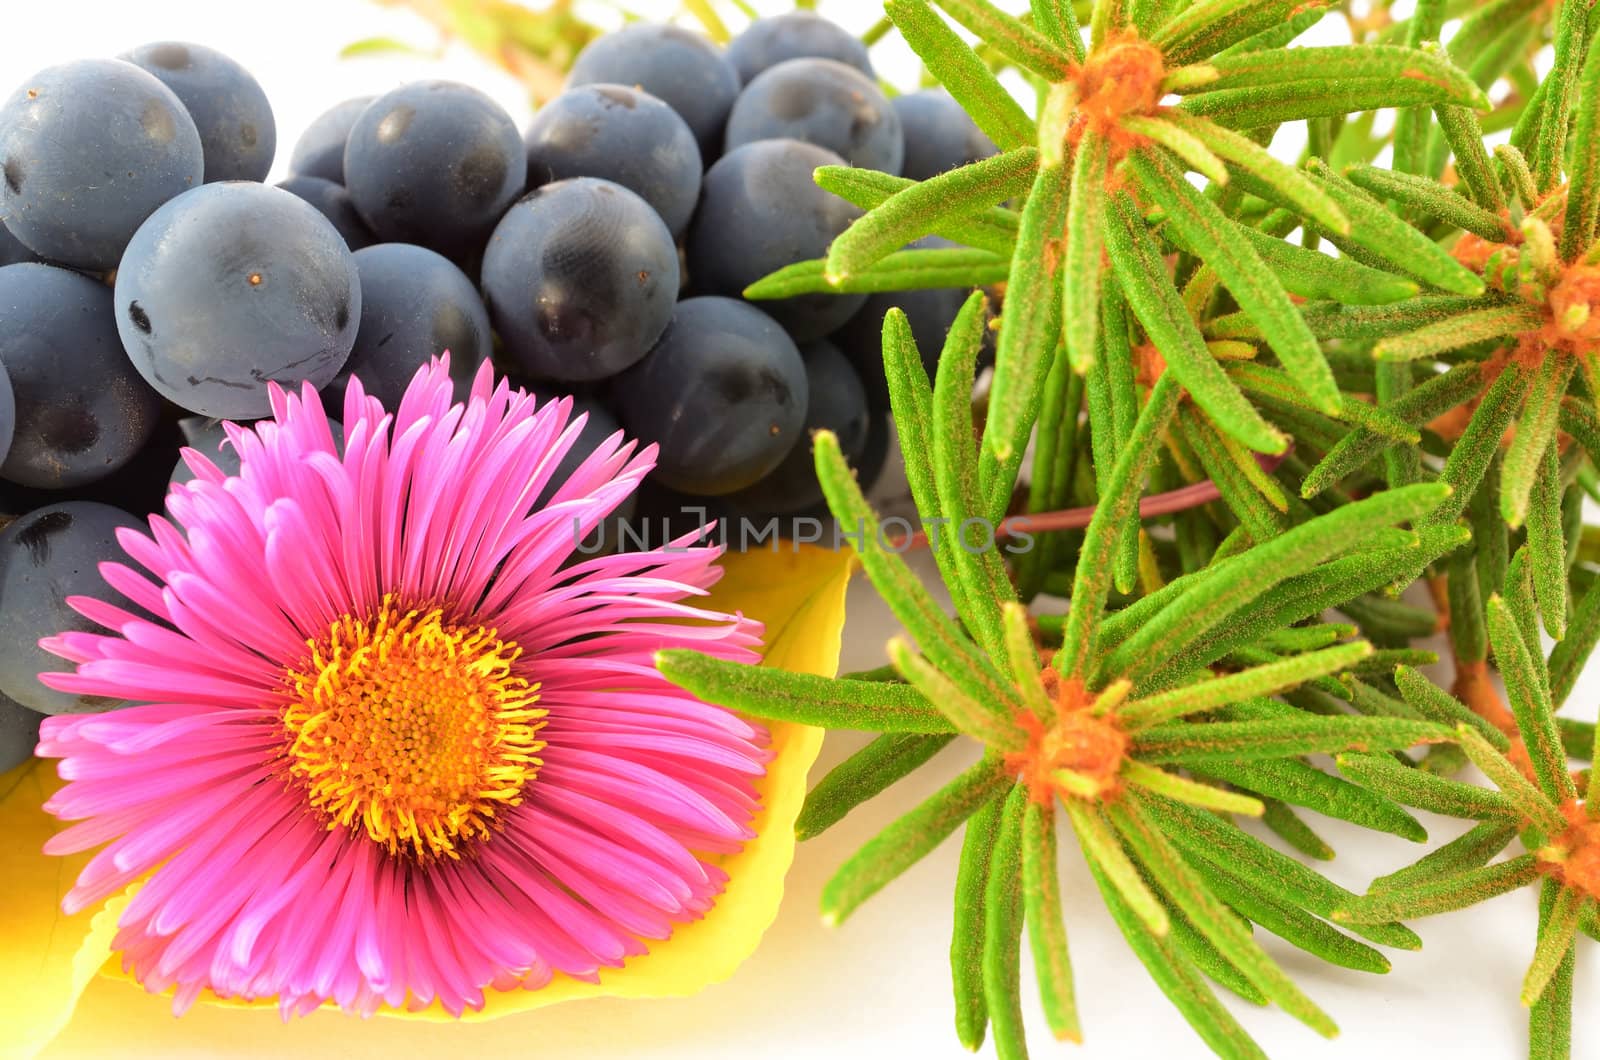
(320, 150)
(795, 35)
(623, 135)
(229, 109)
(929, 312)
(45, 557)
(821, 102)
(11, 249)
(88, 150)
(580, 278)
(682, 69)
(837, 403)
(230, 287)
(333, 202)
(759, 211)
(434, 163)
(8, 413)
(81, 410)
(723, 395)
(19, 733)
(415, 305)
(939, 134)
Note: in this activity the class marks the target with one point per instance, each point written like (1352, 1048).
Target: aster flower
(394, 748)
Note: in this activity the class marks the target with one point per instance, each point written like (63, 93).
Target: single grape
(682, 69)
(759, 211)
(821, 102)
(580, 278)
(939, 134)
(723, 395)
(415, 305)
(45, 557)
(230, 287)
(8, 413)
(930, 313)
(88, 150)
(795, 35)
(622, 135)
(230, 111)
(11, 249)
(320, 150)
(19, 733)
(434, 163)
(333, 202)
(837, 403)
(81, 410)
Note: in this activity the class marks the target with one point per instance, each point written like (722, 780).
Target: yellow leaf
(799, 595)
(46, 958)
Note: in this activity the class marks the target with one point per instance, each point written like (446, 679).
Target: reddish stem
(1178, 500)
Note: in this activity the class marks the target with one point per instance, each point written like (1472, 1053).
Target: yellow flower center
(412, 729)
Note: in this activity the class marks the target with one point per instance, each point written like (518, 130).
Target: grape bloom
(392, 747)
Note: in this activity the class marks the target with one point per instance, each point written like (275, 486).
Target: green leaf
(993, 229)
(969, 931)
(1413, 787)
(1142, 274)
(1529, 703)
(1213, 599)
(1280, 183)
(991, 725)
(1578, 229)
(1047, 930)
(1193, 792)
(939, 638)
(1231, 741)
(369, 46)
(1480, 442)
(1181, 884)
(1550, 1019)
(1029, 328)
(1431, 198)
(1174, 972)
(1536, 430)
(1011, 37)
(1208, 26)
(905, 270)
(1233, 851)
(1311, 274)
(1256, 681)
(920, 207)
(1389, 239)
(1292, 924)
(1556, 935)
(1434, 703)
(1002, 931)
(805, 698)
(1468, 329)
(984, 584)
(1287, 826)
(963, 74)
(1085, 243)
(1092, 579)
(1181, 142)
(1251, 283)
(866, 774)
(909, 839)
(1471, 850)
(1441, 895)
(1330, 67)
(1106, 856)
(1533, 803)
(1299, 784)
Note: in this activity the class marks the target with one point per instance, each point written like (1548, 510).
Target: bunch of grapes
(151, 285)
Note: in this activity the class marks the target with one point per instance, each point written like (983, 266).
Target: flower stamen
(1573, 857)
(411, 729)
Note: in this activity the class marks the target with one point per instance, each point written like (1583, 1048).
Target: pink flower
(391, 748)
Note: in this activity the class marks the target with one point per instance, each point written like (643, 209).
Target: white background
(879, 984)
